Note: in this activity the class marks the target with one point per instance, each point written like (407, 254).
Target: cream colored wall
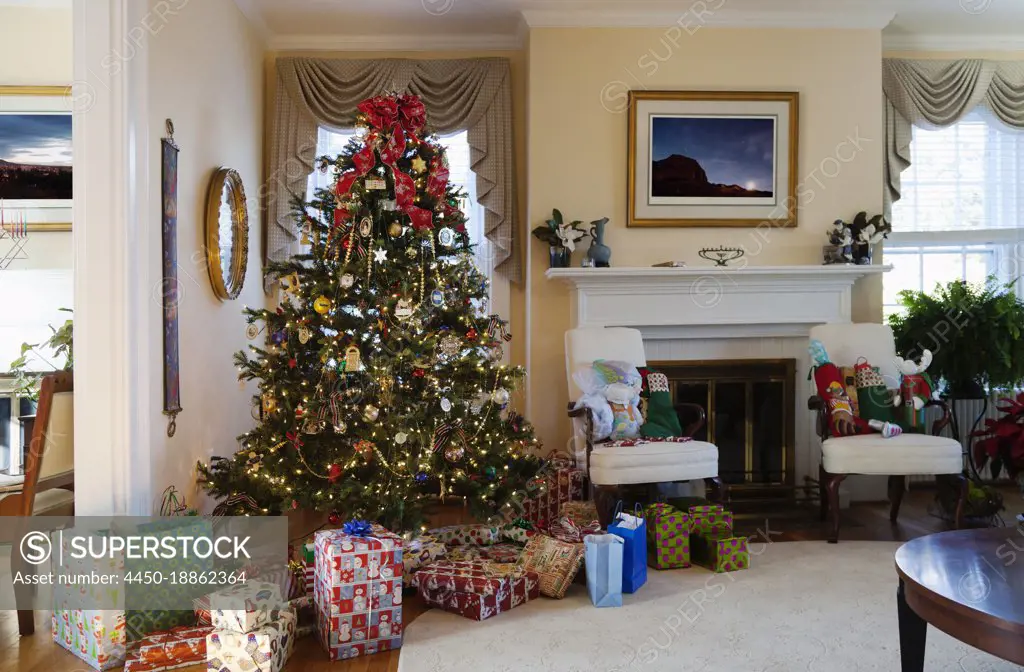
(578, 80)
(22, 32)
(205, 73)
(517, 62)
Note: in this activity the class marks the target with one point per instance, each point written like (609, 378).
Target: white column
(115, 227)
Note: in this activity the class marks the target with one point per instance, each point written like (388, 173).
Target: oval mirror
(227, 233)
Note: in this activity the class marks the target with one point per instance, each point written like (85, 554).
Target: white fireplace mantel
(712, 302)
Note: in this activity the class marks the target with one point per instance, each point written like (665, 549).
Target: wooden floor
(868, 521)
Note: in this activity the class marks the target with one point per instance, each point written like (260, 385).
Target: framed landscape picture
(712, 158)
(35, 156)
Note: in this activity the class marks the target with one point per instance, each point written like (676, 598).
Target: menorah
(17, 233)
(721, 255)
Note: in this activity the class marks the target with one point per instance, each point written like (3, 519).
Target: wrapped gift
(478, 589)
(719, 551)
(705, 518)
(245, 606)
(518, 533)
(95, 636)
(467, 535)
(501, 553)
(562, 483)
(668, 537)
(358, 590)
(555, 562)
(265, 649)
(580, 513)
(178, 647)
(420, 551)
(305, 615)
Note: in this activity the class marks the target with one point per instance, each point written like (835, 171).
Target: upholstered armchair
(896, 457)
(611, 467)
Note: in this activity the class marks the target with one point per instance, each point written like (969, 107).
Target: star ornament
(419, 165)
(380, 256)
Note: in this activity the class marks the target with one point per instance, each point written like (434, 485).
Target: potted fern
(973, 331)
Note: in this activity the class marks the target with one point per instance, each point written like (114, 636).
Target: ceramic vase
(599, 253)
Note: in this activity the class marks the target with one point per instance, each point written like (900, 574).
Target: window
(961, 212)
(461, 176)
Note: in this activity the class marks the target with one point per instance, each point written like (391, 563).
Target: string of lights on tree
(380, 377)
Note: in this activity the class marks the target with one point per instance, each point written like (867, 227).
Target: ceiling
(361, 24)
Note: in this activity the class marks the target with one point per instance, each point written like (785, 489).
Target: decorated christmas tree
(380, 377)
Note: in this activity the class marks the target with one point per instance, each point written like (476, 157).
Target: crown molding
(251, 12)
(723, 18)
(440, 42)
(934, 42)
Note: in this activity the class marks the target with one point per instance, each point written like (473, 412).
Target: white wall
(205, 73)
(35, 50)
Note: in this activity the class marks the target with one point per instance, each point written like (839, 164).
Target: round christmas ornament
(446, 237)
(394, 229)
(454, 453)
(403, 309)
(421, 477)
(339, 427)
(365, 227)
(334, 518)
(490, 473)
(334, 473)
(322, 305)
(269, 403)
(501, 397)
(347, 280)
(446, 405)
(252, 331)
(304, 335)
(437, 298)
(279, 337)
(401, 438)
(371, 413)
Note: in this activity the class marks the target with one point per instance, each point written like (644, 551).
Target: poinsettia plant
(1001, 442)
(557, 233)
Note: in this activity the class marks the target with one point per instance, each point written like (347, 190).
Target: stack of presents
(347, 584)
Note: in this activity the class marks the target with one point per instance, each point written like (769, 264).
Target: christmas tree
(380, 380)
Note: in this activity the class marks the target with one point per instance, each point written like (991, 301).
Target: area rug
(801, 606)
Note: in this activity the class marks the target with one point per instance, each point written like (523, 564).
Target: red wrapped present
(168, 650)
(357, 591)
(477, 589)
(560, 483)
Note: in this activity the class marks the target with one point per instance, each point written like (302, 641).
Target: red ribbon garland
(400, 115)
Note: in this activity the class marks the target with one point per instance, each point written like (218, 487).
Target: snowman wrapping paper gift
(881, 410)
(358, 590)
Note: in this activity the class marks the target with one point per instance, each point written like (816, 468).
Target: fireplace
(750, 406)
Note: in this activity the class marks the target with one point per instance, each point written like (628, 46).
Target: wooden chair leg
(605, 497)
(897, 484)
(832, 482)
(26, 622)
(717, 492)
(823, 491)
(959, 483)
(22, 596)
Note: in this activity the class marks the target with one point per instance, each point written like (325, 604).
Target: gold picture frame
(677, 191)
(58, 101)
(227, 213)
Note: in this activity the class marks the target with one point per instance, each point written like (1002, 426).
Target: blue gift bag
(604, 569)
(633, 531)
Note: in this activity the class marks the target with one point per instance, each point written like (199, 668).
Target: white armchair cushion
(904, 455)
(655, 462)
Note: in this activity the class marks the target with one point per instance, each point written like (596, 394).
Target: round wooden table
(970, 585)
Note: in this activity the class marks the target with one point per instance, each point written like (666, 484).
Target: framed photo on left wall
(36, 157)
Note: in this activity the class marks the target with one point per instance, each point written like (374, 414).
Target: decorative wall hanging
(35, 157)
(712, 158)
(169, 190)
(227, 233)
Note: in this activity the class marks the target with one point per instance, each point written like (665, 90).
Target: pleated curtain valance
(937, 93)
(474, 95)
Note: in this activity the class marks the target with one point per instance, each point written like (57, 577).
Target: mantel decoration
(712, 158)
(169, 200)
(852, 243)
(599, 254)
(561, 238)
(721, 255)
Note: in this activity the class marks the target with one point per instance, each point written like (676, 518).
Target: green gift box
(668, 537)
(719, 551)
(709, 517)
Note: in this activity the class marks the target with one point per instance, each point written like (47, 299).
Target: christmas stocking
(842, 421)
